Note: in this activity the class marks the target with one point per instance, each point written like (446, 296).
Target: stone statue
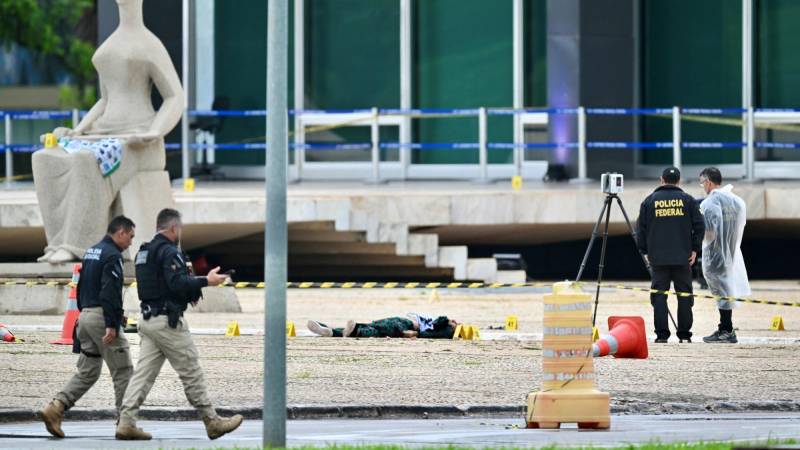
(77, 186)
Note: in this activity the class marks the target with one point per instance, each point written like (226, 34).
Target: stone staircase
(331, 239)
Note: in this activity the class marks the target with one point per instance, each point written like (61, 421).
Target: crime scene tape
(428, 285)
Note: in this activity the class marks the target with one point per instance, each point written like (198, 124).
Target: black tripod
(606, 211)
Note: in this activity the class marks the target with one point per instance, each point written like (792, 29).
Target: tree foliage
(52, 28)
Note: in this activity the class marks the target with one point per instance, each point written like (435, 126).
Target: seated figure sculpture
(120, 138)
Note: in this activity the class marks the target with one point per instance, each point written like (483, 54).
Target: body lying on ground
(412, 326)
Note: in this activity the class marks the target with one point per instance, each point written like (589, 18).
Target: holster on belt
(76, 343)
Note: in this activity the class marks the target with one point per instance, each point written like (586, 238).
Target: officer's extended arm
(179, 282)
(111, 292)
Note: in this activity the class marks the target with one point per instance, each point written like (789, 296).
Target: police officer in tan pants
(165, 289)
(100, 302)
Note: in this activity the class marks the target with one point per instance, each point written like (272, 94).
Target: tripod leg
(595, 233)
(602, 261)
(644, 259)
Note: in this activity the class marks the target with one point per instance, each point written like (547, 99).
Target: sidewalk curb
(310, 412)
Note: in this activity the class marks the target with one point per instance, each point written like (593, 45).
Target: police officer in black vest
(98, 336)
(670, 235)
(165, 289)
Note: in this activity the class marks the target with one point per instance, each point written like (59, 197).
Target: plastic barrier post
(376, 147)
(676, 137)
(749, 153)
(582, 172)
(482, 145)
(9, 153)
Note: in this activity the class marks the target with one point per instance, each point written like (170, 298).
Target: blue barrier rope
(712, 111)
(27, 148)
(65, 114)
(633, 145)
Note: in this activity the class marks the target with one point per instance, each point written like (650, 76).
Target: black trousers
(681, 277)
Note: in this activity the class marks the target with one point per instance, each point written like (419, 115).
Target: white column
(519, 88)
(299, 87)
(405, 85)
(186, 73)
(203, 66)
(676, 137)
(748, 153)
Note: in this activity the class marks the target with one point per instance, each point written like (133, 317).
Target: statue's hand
(58, 133)
(143, 138)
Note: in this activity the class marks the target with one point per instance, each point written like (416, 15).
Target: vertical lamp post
(275, 235)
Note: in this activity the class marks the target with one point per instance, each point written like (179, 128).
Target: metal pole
(375, 131)
(76, 118)
(9, 153)
(299, 87)
(750, 170)
(748, 155)
(405, 85)
(185, 62)
(275, 238)
(676, 137)
(582, 170)
(482, 144)
(519, 86)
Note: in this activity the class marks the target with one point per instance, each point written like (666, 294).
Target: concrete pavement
(472, 432)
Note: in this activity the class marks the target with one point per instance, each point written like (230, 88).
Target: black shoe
(721, 337)
(661, 340)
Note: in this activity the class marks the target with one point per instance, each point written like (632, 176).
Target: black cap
(671, 175)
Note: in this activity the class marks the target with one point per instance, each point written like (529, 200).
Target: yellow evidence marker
(516, 182)
(511, 323)
(291, 331)
(777, 324)
(233, 329)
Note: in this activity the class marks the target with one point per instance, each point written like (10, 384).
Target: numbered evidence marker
(595, 334)
(188, 185)
(777, 324)
(291, 331)
(233, 329)
(511, 323)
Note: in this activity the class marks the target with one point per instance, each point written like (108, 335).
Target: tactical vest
(149, 279)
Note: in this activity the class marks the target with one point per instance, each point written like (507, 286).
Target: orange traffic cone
(72, 313)
(625, 339)
(6, 335)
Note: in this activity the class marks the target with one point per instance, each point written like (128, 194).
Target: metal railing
(309, 121)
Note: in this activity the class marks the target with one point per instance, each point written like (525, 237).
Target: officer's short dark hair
(118, 223)
(166, 217)
(713, 174)
(671, 175)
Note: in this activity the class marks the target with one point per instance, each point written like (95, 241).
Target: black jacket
(670, 226)
(100, 283)
(175, 282)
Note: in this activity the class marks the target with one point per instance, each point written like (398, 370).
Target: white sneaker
(319, 329)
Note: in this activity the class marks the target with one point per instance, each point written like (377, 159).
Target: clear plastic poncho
(725, 215)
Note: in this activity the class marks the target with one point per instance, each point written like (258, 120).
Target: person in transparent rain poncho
(725, 215)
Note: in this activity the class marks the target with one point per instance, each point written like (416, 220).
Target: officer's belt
(156, 310)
